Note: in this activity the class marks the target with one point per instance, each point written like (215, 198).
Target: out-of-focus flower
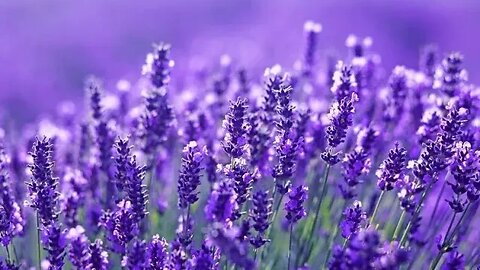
(294, 207)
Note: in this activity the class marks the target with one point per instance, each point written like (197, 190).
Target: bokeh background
(47, 48)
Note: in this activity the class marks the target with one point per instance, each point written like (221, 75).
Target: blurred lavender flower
(393, 104)
(221, 202)
(135, 257)
(455, 261)
(228, 244)
(260, 214)
(206, 258)
(12, 222)
(78, 251)
(344, 83)
(294, 207)
(354, 165)
(450, 77)
(178, 257)
(158, 65)
(156, 121)
(354, 217)
(242, 183)
(429, 60)
(54, 242)
(311, 29)
(97, 256)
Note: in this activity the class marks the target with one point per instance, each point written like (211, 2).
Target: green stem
(290, 245)
(376, 207)
(319, 206)
(415, 215)
(448, 238)
(437, 202)
(399, 226)
(39, 254)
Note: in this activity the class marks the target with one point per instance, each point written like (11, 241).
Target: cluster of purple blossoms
(245, 182)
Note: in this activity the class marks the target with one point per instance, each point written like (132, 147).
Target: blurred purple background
(47, 48)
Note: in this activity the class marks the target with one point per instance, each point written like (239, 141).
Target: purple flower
(236, 126)
(221, 202)
(226, 240)
(206, 258)
(135, 257)
(357, 45)
(408, 188)
(363, 250)
(430, 125)
(288, 142)
(454, 261)
(465, 171)
(156, 121)
(392, 168)
(353, 218)
(189, 178)
(294, 207)
(341, 113)
(120, 225)
(11, 221)
(97, 256)
(392, 257)
(344, 83)
(367, 137)
(242, 183)
(121, 162)
(429, 60)
(274, 78)
(311, 30)
(158, 65)
(78, 252)
(54, 242)
(436, 155)
(43, 185)
(451, 76)
(178, 257)
(354, 165)
(397, 92)
(157, 254)
(7, 265)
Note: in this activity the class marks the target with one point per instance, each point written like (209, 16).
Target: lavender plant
(252, 171)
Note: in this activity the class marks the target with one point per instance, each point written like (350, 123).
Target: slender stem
(375, 210)
(39, 254)
(317, 212)
(415, 215)
(8, 253)
(14, 251)
(437, 202)
(274, 216)
(308, 241)
(399, 225)
(334, 235)
(290, 245)
(448, 238)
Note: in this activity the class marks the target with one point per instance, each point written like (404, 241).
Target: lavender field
(206, 135)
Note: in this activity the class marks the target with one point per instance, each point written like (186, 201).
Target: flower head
(294, 207)
(158, 65)
(189, 178)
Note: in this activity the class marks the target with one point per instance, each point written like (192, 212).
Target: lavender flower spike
(392, 168)
(97, 256)
(344, 83)
(157, 253)
(158, 65)
(12, 222)
(237, 127)
(354, 216)
(135, 257)
(43, 185)
(294, 207)
(311, 30)
(189, 178)
(260, 214)
(221, 202)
